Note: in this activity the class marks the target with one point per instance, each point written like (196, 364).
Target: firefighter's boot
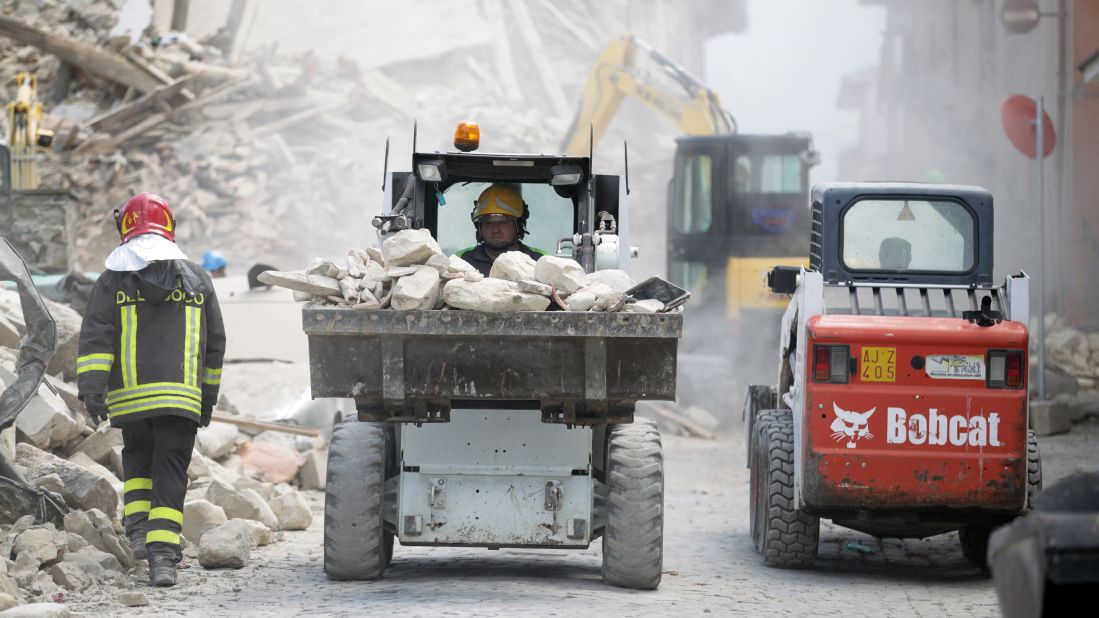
(162, 570)
(137, 547)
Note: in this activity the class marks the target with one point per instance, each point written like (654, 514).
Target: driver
(500, 216)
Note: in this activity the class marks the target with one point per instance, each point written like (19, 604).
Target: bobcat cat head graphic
(851, 426)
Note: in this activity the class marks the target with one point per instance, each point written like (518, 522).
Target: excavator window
(695, 180)
(780, 174)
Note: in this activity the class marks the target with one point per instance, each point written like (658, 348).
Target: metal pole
(1039, 157)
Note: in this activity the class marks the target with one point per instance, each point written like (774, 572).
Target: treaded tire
(633, 541)
(974, 541)
(356, 545)
(757, 506)
(788, 537)
(1033, 469)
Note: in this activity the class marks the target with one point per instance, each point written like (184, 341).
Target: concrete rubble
(413, 274)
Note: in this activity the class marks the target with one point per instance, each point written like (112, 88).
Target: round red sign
(1017, 115)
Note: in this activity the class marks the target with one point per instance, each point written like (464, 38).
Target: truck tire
(757, 494)
(633, 541)
(1033, 469)
(788, 537)
(356, 544)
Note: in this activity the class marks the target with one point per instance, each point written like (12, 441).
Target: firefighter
(500, 216)
(151, 348)
(214, 263)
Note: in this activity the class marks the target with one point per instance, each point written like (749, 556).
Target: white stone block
(409, 247)
(417, 291)
(513, 266)
(561, 273)
(490, 294)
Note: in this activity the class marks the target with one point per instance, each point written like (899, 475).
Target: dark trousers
(155, 455)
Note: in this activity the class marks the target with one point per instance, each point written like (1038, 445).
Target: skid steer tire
(974, 541)
(757, 495)
(1033, 469)
(356, 545)
(633, 541)
(789, 536)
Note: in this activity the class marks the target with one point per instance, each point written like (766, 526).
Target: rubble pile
(245, 488)
(235, 149)
(411, 272)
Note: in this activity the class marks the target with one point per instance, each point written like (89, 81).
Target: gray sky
(784, 72)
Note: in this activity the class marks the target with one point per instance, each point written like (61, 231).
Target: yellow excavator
(25, 137)
(738, 204)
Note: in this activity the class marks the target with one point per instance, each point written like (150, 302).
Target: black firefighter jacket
(153, 342)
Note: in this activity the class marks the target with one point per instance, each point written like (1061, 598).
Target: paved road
(711, 566)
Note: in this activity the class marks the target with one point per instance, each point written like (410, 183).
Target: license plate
(879, 365)
(955, 367)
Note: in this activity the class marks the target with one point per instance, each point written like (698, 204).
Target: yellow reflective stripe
(162, 536)
(137, 483)
(150, 390)
(90, 367)
(196, 335)
(165, 512)
(213, 376)
(141, 387)
(190, 347)
(98, 356)
(137, 506)
(210, 371)
(129, 345)
(157, 402)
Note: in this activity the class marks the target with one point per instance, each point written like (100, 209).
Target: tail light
(1006, 369)
(831, 363)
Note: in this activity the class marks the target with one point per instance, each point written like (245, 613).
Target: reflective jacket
(153, 342)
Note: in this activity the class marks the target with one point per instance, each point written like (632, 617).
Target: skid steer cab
(493, 430)
(900, 402)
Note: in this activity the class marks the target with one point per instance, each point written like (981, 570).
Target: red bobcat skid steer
(901, 403)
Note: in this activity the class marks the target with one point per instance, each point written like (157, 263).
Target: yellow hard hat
(499, 199)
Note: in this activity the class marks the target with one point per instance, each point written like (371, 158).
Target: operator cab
(572, 212)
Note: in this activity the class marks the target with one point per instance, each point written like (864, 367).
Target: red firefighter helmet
(145, 213)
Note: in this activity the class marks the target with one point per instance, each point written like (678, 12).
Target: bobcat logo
(851, 426)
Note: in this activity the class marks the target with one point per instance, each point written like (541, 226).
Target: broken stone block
(314, 471)
(37, 543)
(513, 266)
(458, 265)
(322, 267)
(376, 256)
(560, 273)
(616, 280)
(199, 516)
(70, 576)
(200, 466)
(1049, 417)
(356, 266)
(83, 488)
(133, 599)
(400, 271)
(473, 276)
(46, 422)
(419, 291)
(650, 305)
(50, 482)
(75, 542)
(265, 490)
(86, 462)
(68, 321)
(217, 440)
(98, 445)
(260, 510)
(277, 462)
(302, 297)
(226, 546)
(440, 263)
(97, 529)
(7, 443)
(229, 499)
(584, 298)
(491, 294)
(534, 287)
(292, 511)
(7, 601)
(94, 562)
(261, 534)
(315, 285)
(409, 247)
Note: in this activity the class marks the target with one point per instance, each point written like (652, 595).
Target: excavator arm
(620, 72)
